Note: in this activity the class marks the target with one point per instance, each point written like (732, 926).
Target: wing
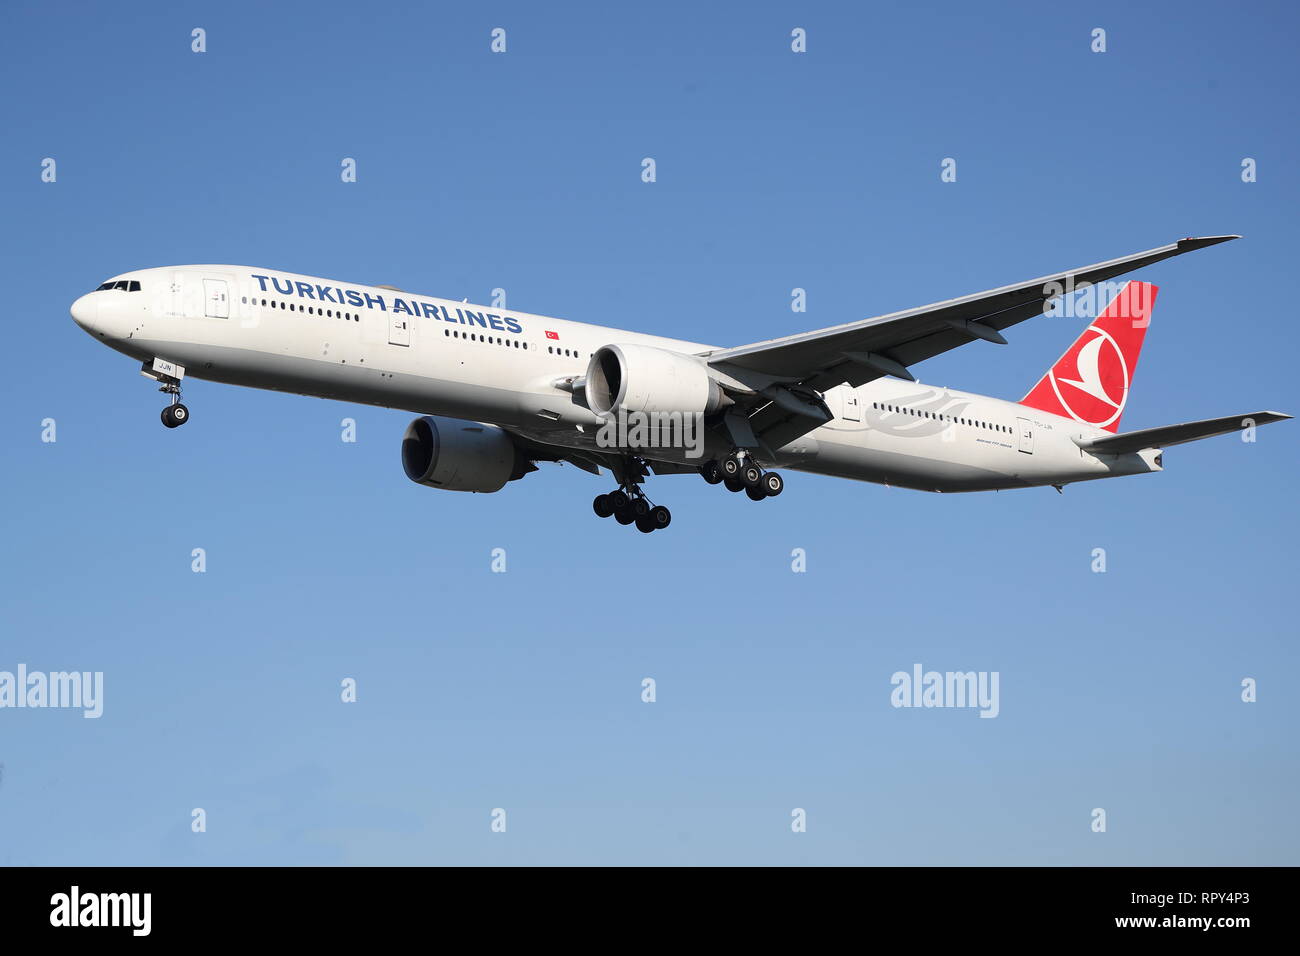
(791, 372)
(1167, 435)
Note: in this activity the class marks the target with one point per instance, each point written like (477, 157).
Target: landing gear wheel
(624, 516)
(658, 517)
(733, 484)
(773, 484)
(731, 466)
(617, 500)
(173, 416)
(755, 492)
(640, 508)
(711, 472)
(751, 475)
(602, 507)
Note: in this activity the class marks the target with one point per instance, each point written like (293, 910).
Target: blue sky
(522, 690)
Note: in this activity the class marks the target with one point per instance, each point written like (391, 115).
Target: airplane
(498, 390)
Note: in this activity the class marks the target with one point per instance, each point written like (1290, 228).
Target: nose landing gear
(175, 414)
(168, 377)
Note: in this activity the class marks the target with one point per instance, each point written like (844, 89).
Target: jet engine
(457, 455)
(641, 378)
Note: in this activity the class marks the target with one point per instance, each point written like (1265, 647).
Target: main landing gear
(628, 504)
(631, 506)
(739, 472)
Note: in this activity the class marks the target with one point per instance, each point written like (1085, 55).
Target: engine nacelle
(457, 455)
(642, 378)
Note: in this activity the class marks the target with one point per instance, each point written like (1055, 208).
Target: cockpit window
(123, 285)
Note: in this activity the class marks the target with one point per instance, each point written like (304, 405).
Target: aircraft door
(852, 407)
(216, 299)
(399, 330)
(1026, 431)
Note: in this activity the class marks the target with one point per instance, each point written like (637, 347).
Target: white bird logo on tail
(1087, 364)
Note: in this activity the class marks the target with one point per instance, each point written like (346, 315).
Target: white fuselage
(311, 336)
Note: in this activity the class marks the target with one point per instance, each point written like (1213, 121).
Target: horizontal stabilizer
(1166, 435)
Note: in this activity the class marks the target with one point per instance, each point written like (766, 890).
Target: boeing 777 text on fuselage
(499, 390)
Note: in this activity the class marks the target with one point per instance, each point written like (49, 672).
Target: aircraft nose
(85, 311)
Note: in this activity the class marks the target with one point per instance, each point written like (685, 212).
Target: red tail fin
(1090, 382)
